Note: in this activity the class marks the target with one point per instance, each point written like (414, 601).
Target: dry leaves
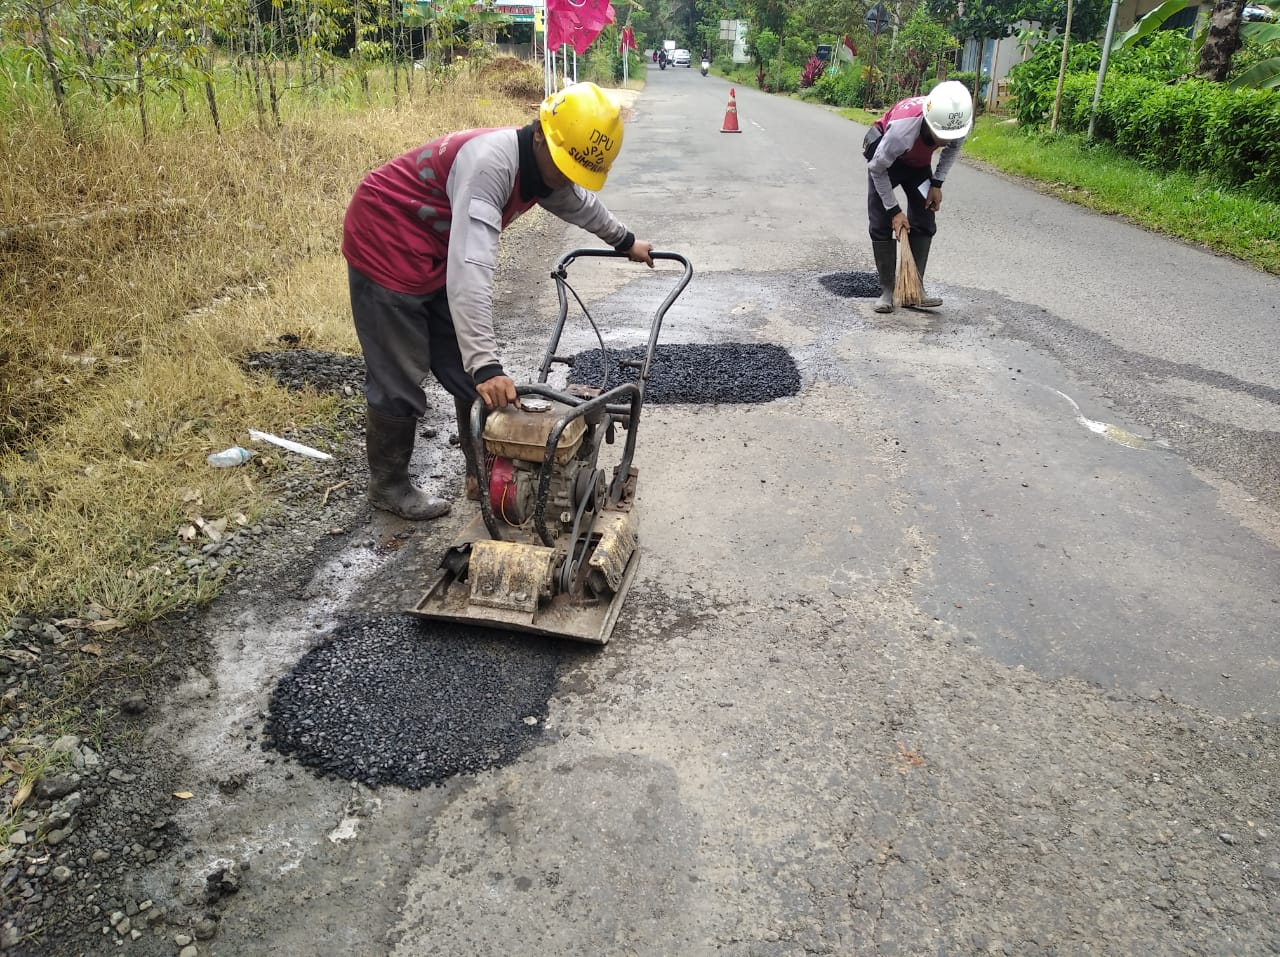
(20, 798)
(198, 525)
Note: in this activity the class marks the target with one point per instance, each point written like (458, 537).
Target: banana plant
(1148, 25)
(1265, 74)
(1154, 21)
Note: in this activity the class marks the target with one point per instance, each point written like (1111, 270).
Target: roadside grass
(133, 280)
(1097, 176)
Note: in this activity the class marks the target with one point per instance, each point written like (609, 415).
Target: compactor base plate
(448, 599)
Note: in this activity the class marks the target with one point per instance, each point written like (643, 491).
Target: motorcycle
(705, 67)
(662, 61)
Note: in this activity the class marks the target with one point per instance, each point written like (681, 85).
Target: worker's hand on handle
(640, 252)
(497, 392)
(933, 202)
(900, 225)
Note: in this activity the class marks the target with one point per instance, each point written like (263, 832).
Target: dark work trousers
(909, 178)
(403, 338)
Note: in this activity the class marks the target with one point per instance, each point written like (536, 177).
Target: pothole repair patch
(852, 285)
(298, 369)
(398, 700)
(697, 372)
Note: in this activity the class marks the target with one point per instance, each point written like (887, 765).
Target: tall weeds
(132, 278)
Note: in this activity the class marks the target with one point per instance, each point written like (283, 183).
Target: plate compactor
(557, 542)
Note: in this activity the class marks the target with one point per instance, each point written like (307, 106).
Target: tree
(837, 17)
(22, 16)
(1222, 40)
(922, 44)
(1088, 17)
(980, 20)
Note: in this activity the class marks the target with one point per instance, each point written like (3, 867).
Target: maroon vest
(396, 230)
(921, 153)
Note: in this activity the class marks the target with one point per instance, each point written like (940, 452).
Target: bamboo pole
(1062, 68)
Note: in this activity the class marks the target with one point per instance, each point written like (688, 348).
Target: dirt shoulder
(78, 874)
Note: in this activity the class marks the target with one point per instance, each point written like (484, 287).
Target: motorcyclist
(662, 59)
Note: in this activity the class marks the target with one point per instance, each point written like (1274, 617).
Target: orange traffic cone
(731, 115)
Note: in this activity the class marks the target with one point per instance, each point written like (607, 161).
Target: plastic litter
(298, 447)
(228, 458)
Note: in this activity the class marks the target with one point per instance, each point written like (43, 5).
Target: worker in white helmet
(421, 243)
(899, 149)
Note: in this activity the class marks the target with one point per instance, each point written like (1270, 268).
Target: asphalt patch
(400, 700)
(298, 369)
(852, 285)
(697, 373)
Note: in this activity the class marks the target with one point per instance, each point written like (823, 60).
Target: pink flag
(577, 22)
(628, 39)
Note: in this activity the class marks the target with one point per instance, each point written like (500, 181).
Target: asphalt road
(1147, 563)
(969, 647)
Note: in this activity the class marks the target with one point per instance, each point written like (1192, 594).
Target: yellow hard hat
(583, 128)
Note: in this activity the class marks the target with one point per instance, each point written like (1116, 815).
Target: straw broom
(907, 289)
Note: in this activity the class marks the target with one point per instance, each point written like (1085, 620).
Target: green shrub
(797, 50)
(1241, 136)
(845, 88)
(1165, 55)
(966, 77)
(1032, 83)
(1192, 125)
(1196, 126)
(782, 79)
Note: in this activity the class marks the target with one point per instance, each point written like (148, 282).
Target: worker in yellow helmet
(421, 243)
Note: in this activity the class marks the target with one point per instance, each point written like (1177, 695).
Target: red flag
(628, 39)
(577, 22)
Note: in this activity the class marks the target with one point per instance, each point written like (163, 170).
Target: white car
(681, 58)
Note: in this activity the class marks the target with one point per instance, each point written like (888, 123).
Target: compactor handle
(560, 275)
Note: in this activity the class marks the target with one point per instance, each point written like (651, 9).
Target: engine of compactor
(515, 442)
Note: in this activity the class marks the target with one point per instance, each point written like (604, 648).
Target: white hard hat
(948, 110)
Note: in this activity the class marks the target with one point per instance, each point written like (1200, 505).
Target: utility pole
(1102, 69)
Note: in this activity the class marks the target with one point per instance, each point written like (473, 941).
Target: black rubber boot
(886, 253)
(462, 408)
(389, 444)
(920, 253)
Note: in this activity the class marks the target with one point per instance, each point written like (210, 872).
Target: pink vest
(921, 153)
(396, 231)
